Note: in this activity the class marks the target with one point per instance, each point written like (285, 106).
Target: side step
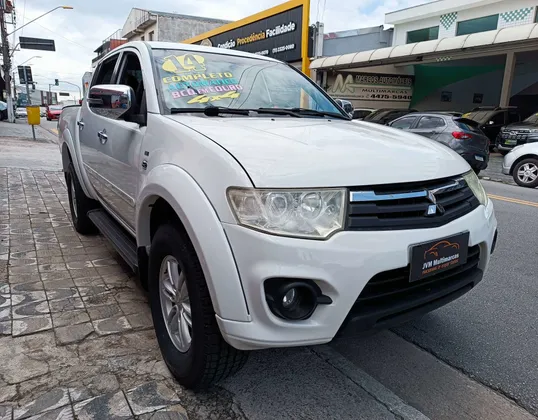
(121, 240)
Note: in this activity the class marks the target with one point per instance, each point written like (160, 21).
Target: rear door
(430, 126)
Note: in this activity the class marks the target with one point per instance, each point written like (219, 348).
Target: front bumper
(341, 267)
(508, 163)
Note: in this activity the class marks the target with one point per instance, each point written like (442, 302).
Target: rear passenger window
(430, 122)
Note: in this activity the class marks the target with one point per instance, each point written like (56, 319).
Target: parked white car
(522, 163)
(21, 112)
(256, 212)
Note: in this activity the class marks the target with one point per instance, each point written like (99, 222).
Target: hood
(287, 152)
(521, 126)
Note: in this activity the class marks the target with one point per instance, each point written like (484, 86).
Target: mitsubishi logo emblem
(435, 207)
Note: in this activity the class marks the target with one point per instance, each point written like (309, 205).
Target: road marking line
(368, 383)
(513, 200)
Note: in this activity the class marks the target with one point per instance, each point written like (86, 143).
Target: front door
(113, 146)
(494, 124)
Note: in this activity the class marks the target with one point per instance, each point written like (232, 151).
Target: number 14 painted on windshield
(202, 99)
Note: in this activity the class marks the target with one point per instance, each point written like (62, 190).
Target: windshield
(533, 119)
(478, 116)
(200, 79)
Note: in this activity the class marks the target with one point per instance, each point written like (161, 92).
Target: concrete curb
(502, 181)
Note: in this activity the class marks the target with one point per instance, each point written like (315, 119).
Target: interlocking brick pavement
(76, 334)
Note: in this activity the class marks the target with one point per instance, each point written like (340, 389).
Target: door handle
(102, 136)
(80, 124)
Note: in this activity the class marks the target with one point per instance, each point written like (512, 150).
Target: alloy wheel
(175, 303)
(528, 173)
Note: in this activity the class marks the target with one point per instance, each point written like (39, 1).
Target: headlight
(306, 213)
(476, 187)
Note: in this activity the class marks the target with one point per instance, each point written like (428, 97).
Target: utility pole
(7, 65)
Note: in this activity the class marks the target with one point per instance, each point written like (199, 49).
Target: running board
(120, 239)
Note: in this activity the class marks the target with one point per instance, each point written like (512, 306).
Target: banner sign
(278, 36)
(372, 87)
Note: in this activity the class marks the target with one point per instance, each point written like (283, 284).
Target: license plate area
(435, 257)
(510, 142)
(479, 158)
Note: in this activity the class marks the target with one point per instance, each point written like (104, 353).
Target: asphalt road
(490, 335)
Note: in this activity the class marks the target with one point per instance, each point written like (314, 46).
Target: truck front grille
(410, 206)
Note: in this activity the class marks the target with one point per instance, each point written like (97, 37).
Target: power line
(67, 39)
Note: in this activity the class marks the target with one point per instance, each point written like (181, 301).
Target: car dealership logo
(206, 43)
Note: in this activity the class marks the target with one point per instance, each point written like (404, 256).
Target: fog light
(289, 298)
(293, 299)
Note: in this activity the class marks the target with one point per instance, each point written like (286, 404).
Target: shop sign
(278, 36)
(372, 87)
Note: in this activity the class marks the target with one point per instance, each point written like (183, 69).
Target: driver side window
(131, 75)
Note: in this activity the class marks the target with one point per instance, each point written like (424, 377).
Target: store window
(425, 34)
(473, 26)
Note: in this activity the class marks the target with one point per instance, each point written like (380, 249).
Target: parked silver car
(460, 134)
(522, 163)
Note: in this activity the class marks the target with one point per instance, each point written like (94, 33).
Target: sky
(78, 32)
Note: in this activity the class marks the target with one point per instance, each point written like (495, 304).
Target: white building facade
(459, 54)
(449, 18)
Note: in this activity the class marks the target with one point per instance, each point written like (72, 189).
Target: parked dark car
(460, 134)
(492, 119)
(362, 113)
(518, 133)
(386, 115)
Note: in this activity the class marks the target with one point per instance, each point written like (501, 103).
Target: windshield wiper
(297, 112)
(211, 111)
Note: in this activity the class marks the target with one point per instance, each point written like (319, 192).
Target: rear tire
(525, 173)
(206, 358)
(79, 203)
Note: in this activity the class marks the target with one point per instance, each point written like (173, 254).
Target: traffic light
(56, 82)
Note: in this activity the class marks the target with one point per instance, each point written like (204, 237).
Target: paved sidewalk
(21, 130)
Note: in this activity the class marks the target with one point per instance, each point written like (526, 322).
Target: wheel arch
(520, 159)
(159, 201)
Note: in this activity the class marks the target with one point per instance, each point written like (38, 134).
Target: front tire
(79, 203)
(526, 173)
(187, 331)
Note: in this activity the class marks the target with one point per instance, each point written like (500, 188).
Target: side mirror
(116, 102)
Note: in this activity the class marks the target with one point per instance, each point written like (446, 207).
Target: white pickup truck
(256, 213)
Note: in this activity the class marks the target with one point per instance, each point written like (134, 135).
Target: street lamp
(39, 17)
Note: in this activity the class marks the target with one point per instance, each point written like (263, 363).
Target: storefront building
(446, 55)
(281, 32)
